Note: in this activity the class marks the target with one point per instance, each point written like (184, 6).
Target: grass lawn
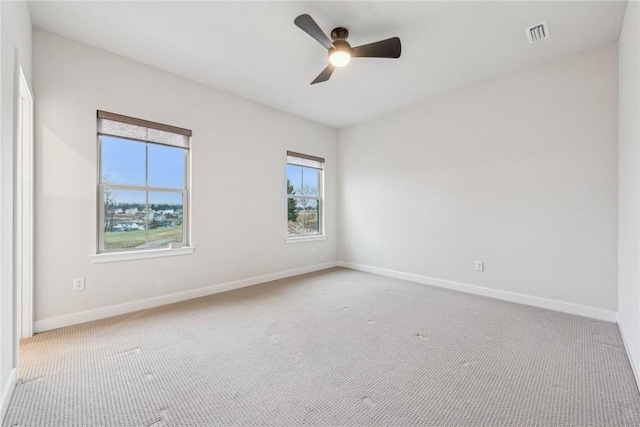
(131, 239)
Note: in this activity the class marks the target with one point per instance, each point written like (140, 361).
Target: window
(143, 184)
(304, 195)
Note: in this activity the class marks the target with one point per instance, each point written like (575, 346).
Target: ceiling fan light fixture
(339, 58)
(340, 53)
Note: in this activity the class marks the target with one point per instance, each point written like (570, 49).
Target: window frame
(102, 186)
(320, 235)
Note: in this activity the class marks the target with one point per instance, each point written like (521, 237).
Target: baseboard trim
(7, 393)
(565, 307)
(130, 307)
(635, 367)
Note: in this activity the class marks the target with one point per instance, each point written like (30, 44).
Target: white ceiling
(253, 49)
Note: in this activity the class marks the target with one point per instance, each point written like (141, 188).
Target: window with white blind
(305, 205)
(143, 185)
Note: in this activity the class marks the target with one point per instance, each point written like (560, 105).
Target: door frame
(24, 210)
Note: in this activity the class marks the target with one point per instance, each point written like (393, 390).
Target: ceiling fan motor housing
(339, 33)
(340, 45)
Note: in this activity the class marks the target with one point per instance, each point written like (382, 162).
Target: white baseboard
(7, 393)
(566, 307)
(114, 310)
(635, 367)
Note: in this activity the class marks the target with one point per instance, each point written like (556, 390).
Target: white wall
(629, 184)
(520, 173)
(239, 153)
(15, 41)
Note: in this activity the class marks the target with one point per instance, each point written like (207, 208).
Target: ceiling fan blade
(389, 48)
(309, 26)
(324, 75)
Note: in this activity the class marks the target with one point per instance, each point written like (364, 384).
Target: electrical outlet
(479, 266)
(313, 251)
(78, 284)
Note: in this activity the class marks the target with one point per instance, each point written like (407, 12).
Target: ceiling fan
(340, 51)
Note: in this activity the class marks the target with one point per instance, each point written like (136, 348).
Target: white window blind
(142, 130)
(305, 160)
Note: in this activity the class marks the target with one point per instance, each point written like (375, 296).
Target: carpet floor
(337, 347)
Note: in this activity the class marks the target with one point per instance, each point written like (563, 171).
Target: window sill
(144, 254)
(306, 239)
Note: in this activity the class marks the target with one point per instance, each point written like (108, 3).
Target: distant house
(118, 211)
(131, 211)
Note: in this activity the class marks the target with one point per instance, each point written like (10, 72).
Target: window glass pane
(311, 217)
(295, 224)
(124, 219)
(123, 161)
(166, 166)
(304, 216)
(310, 182)
(294, 178)
(165, 219)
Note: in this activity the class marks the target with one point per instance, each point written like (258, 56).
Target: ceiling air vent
(537, 32)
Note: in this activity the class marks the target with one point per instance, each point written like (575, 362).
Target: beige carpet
(338, 347)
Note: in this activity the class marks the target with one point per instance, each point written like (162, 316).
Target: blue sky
(123, 162)
(303, 177)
